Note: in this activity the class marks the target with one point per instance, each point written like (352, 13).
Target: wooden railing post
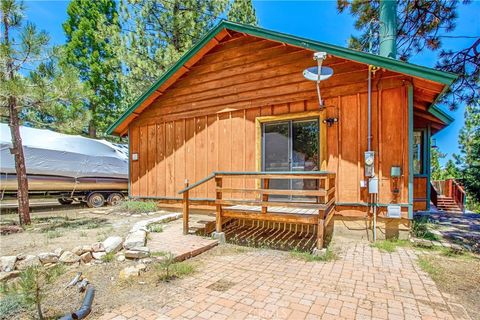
(265, 186)
(186, 209)
(218, 183)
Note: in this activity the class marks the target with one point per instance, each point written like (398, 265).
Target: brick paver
(363, 283)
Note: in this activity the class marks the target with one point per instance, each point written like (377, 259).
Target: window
(418, 151)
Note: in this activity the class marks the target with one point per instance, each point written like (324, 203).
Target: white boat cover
(52, 153)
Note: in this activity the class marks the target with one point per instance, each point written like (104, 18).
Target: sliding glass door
(291, 145)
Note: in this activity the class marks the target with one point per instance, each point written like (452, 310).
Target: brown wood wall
(206, 121)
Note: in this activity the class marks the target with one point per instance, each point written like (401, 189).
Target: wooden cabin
(236, 118)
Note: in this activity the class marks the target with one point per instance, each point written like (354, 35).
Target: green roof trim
(440, 114)
(445, 78)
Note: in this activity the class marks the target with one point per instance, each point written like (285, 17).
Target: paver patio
(363, 283)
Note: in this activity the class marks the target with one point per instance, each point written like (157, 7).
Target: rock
(137, 253)
(29, 261)
(48, 257)
(147, 261)
(129, 272)
(113, 244)
(7, 263)
(135, 239)
(98, 247)
(4, 276)
(58, 252)
(78, 250)
(69, 257)
(141, 267)
(21, 256)
(99, 255)
(87, 248)
(86, 257)
(120, 257)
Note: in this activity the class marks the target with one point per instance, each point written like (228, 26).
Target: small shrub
(155, 227)
(389, 245)
(108, 257)
(420, 229)
(168, 269)
(54, 234)
(139, 206)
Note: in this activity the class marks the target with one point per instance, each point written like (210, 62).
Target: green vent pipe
(388, 28)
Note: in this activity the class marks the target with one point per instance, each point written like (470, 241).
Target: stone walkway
(267, 284)
(462, 229)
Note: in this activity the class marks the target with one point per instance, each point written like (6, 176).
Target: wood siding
(206, 120)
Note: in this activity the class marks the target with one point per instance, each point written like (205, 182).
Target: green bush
(168, 269)
(139, 206)
(420, 229)
(108, 257)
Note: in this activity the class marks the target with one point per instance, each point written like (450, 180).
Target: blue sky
(316, 20)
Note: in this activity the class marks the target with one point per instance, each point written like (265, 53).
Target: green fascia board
(440, 114)
(445, 78)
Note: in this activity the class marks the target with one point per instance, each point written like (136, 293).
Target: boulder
(29, 261)
(137, 253)
(58, 251)
(7, 263)
(78, 250)
(48, 257)
(98, 247)
(98, 255)
(86, 257)
(128, 272)
(135, 239)
(87, 248)
(4, 276)
(113, 244)
(69, 257)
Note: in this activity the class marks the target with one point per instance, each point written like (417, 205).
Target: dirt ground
(458, 276)
(63, 227)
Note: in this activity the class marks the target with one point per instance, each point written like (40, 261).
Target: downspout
(369, 145)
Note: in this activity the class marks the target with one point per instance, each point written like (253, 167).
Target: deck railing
(451, 188)
(320, 200)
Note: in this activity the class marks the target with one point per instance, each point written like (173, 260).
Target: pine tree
(450, 171)
(420, 25)
(242, 11)
(436, 168)
(90, 29)
(28, 84)
(469, 159)
(155, 34)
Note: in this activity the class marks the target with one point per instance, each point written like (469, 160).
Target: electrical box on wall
(395, 172)
(369, 163)
(373, 185)
(394, 211)
(134, 156)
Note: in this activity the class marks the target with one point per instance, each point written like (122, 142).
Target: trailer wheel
(65, 201)
(114, 198)
(95, 200)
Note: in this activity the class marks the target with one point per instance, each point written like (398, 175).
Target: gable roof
(444, 78)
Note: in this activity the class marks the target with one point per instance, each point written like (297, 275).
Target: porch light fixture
(318, 73)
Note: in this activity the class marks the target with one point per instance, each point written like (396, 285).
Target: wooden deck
(260, 207)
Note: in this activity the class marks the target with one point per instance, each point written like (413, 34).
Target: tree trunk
(17, 151)
(17, 147)
(92, 131)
